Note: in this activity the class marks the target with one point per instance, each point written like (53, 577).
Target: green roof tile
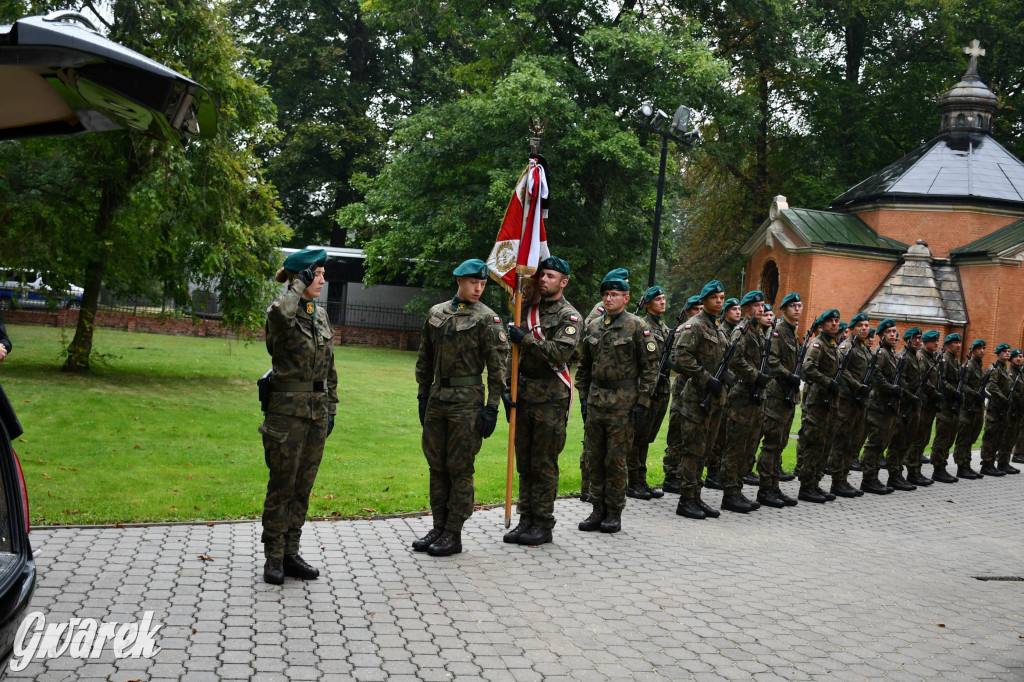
(995, 243)
(839, 230)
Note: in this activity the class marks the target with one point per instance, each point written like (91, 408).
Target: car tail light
(24, 491)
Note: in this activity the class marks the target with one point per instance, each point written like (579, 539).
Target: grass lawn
(165, 430)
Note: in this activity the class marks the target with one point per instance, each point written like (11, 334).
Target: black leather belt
(537, 374)
(620, 383)
(453, 382)
(317, 386)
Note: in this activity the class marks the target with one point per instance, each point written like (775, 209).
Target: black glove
(515, 334)
(506, 400)
(487, 420)
(714, 386)
(423, 407)
(893, 390)
(794, 380)
(638, 415)
(762, 380)
(863, 392)
(308, 275)
(583, 410)
(915, 400)
(330, 424)
(833, 388)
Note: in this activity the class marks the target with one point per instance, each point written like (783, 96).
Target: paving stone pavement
(863, 589)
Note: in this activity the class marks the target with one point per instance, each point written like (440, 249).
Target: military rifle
(978, 399)
(938, 380)
(894, 401)
(1009, 397)
(665, 366)
(791, 395)
(724, 364)
(958, 396)
(905, 415)
(868, 374)
(765, 351)
(839, 373)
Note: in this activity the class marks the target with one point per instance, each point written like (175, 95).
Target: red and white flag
(522, 242)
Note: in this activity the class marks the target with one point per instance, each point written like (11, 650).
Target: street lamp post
(650, 120)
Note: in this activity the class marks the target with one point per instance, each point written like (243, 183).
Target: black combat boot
(296, 567)
(843, 489)
(427, 540)
(925, 459)
(854, 466)
(752, 479)
(874, 486)
(766, 496)
(786, 499)
(989, 469)
(712, 483)
(655, 493)
(672, 485)
(736, 503)
(593, 522)
(638, 491)
(273, 571)
(709, 512)
(915, 477)
(897, 482)
(1019, 459)
(829, 497)
(811, 494)
(965, 471)
(942, 476)
(512, 537)
(786, 477)
(1007, 468)
(690, 510)
(535, 536)
(612, 522)
(449, 543)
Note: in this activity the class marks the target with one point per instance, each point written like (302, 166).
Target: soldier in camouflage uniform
(544, 391)
(461, 338)
(727, 321)
(749, 477)
(882, 409)
(908, 404)
(971, 416)
(616, 377)
(821, 395)
(595, 312)
(848, 432)
(654, 304)
(743, 411)
(946, 416)
(1013, 415)
(673, 448)
(698, 352)
(300, 409)
(779, 408)
(996, 415)
(928, 360)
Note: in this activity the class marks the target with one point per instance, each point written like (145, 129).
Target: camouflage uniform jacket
(698, 351)
(911, 376)
(884, 376)
(782, 362)
(851, 379)
(659, 332)
(972, 382)
(746, 361)
(950, 379)
(618, 364)
(457, 342)
(1017, 394)
(595, 312)
(998, 388)
(930, 368)
(562, 328)
(820, 364)
(302, 350)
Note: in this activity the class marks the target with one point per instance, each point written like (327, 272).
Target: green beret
(1015, 352)
(912, 332)
(755, 296)
(859, 317)
(790, 298)
(617, 274)
(887, 323)
(652, 293)
(712, 287)
(767, 307)
(843, 326)
(930, 335)
(978, 342)
(871, 333)
(692, 302)
(474, 267)
(555, 263)
(729, 303)
(829, 314)
(950, 338)
(1001, 347)
(301, 260)
(614, 285)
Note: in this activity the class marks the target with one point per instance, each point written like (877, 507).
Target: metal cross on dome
(975, 50)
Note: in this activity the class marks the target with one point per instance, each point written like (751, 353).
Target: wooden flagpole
(512, 412)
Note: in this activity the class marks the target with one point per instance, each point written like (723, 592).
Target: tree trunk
(760, 203)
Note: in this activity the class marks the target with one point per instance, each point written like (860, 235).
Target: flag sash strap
(562, 372)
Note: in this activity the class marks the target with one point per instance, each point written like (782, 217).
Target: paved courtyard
(864, 589)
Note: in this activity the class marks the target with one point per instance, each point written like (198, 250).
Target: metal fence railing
(373, 317)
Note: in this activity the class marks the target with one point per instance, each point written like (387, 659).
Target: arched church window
(960, 121)
(770, 281)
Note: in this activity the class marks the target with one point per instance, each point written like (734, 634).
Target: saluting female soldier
(299, 412)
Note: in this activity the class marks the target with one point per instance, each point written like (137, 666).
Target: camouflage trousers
(1018, 447)
(608, 436)
(992, 438)
(812, 443)
(636, 463)
(1010, 432)
(713, 455)
(897, 456)
(775, 428)
(450, 443)
(945, 435)
(848, 434)
(674, 446)
(292, 449)
(742, 432)
(540, 437)
(966, 434)
(881, 423)
(697, 433)
(922, 435)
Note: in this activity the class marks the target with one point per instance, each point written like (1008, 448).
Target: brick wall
(943, 229)
(201, 328)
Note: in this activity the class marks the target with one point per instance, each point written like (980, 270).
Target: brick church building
(934, 240)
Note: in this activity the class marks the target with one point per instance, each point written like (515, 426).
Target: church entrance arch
(770, 281)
